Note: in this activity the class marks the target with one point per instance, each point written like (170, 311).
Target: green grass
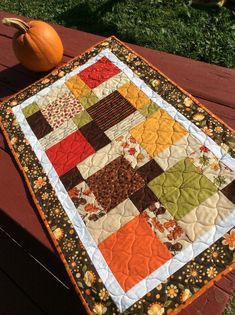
(168, 25)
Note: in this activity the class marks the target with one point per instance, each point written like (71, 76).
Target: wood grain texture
(206, 81)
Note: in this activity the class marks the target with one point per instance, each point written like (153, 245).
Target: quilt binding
(56, 244)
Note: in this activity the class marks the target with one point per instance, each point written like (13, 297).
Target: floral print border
(185, 282)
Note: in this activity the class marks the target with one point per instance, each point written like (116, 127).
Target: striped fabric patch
(110, 110)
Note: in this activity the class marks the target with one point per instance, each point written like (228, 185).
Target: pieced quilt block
(181, 188)
(60, 110)
(144, 252)
(112, 221)
(39, 125)
(110, 110)
(99, 72)
(78, 87)
(30, 109)
(134, 95)
(115, 183)
(158, 132)
(69, 152)
(137, 192)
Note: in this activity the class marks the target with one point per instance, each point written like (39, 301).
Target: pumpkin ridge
(51, 52)
(38, 47)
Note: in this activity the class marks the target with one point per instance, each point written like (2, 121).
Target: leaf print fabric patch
(133, 179)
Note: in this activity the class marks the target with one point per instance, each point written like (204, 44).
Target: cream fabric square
(99, 159)
(52, 95)
(132, 150)
(124, 125)
(204, 217)
(211, 167)
(58, 134)
(111, 85)
(177, 151)
(112, 221)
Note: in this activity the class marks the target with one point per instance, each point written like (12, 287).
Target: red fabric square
(69, 152)
(133, 252)
(99, 72)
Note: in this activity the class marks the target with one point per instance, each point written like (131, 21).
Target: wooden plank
(222, 111)
(210, 82)
(13, 300)
(43, 289)
(211, 302)
(48, 259)
(16, 201)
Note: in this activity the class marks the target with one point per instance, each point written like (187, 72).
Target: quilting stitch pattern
(157, 194)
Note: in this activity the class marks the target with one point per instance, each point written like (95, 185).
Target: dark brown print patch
(229, 191)
(39, 125)
(150, 170)
(71, 179)
(143, 198)
(115, 183)
(95, 136)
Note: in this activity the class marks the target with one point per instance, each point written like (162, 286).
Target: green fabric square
(149, 109)
(88, 100)
(30, 110)
(82, 119)
(182, 188)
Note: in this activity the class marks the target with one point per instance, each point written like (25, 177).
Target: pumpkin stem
(17, 23)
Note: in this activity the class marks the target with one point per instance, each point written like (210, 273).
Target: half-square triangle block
(133, 252)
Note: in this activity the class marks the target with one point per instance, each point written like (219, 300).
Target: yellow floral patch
(158, 132)
(134, 95)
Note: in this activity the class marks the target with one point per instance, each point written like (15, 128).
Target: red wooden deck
(32, 278)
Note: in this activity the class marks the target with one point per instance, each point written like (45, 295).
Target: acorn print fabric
(133, 178)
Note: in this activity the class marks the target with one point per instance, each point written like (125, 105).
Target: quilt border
(41, 212)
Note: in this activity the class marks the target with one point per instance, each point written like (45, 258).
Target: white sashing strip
(122, 299)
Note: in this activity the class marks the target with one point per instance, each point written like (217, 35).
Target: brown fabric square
(39, 125)
(115, 183)
(150, 170)
(71, 179)
(94, 135)
(110, 110)
(143, 198)
(229, 191)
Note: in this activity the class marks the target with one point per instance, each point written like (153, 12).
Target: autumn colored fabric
(132, 177)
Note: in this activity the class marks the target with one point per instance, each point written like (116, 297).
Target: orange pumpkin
(36, 44)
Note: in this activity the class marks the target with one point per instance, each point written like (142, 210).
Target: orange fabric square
(133, 252)
(134, 95)
(158, 132)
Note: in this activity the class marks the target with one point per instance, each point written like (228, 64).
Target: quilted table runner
(133, 178)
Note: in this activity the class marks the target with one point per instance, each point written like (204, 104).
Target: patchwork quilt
(133, 178)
